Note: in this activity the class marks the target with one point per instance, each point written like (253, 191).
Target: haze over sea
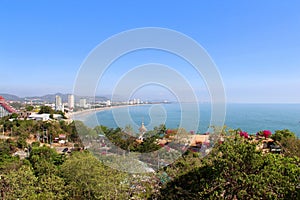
(248, 117)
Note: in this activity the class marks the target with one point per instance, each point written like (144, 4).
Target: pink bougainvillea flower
(244, 134)
(267, 133)
(241, 133)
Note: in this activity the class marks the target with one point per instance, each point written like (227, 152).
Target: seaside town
(38, 109)
(149, 100)
(58, 149)
(62, 112)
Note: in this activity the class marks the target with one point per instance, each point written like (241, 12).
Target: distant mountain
(50, 98)
(11, 97)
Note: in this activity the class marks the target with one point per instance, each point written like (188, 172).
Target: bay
(249, 117)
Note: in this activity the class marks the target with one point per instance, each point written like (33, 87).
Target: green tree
(282, 134)
(288, 141)
(73, 134)
(29, 108)
(35, 144)
(14, 116)
(21, 142)
(50, 187)
(46, 109)
(81, 129)
(45, 160)
(87, 178)
(7, 147)
(19, 184)
(235, 169)
(161, 129)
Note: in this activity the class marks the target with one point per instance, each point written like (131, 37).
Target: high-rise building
(82, 103)
(58, 103)
(108, 103)
(71, 101)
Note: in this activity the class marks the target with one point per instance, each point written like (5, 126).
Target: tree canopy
(236, 169)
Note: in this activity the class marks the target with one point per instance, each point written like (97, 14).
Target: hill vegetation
(235, 169)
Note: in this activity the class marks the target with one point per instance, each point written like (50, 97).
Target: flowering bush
(264, 133)
(244, 134)
(267, 133)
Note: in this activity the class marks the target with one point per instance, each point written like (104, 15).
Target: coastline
(86, 112)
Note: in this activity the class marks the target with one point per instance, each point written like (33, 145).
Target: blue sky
(255, 44)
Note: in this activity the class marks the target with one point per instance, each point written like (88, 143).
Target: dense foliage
(235, 169)
(127, 141)
(25, 129)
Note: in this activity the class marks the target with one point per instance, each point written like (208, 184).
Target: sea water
(248, 117)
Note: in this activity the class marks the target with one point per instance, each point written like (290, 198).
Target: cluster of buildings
(6, 109)
(85, 103)
(135, 101)
(70, 105)
(59, 105)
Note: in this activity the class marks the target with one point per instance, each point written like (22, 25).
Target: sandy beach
(82, 113)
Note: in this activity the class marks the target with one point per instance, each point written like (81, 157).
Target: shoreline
(83, 113)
